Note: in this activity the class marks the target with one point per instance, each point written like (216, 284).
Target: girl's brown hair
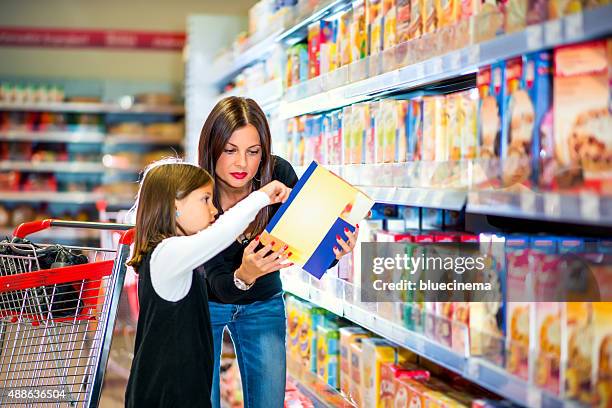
(156, 211)
(229, 115)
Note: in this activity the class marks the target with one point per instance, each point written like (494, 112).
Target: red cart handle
(28, 228)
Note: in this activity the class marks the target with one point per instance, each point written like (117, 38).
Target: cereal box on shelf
(447, 12)
(544, 263)
(359, 31)
(389, 24)
(359, 129)
(374, 20)
(528, 113)
(414, 129)
(357, 387)
(582, 121)
(490, 111)
(578, 344)
(347, 136)
(537, 11)
(434, 147)
(317, 317)
(517, 133)
(344, 38)
(314, 46)
(519, 308)
(348, 335)
(328, 354)
(602, 354)
(379, 131)
(294, 325)
(391, 374)
(328, 51)
(375, 353)
(370, 140)
(429, 16)
(453, 117)
(515, 13)
(561, 8)
(487, 317)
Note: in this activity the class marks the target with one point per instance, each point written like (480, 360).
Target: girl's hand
(262, 262)
(345, 247)
(277, 191)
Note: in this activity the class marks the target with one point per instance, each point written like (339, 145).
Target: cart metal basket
(56, 324)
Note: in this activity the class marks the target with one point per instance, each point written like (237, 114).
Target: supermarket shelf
(379, 180)
(299, 29)
(120, 139)
(91, 108)
(59, 234)
(286, 32)
(266, 95)
(418, 197)
(64, 197)
(473, 369)
(50, 136)
(229, 69)
(575, 28)
(53, 167)
(578, 208)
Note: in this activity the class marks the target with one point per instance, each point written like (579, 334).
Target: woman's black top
(220, 269)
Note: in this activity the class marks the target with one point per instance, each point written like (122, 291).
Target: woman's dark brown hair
(229, 115)
(156, 213)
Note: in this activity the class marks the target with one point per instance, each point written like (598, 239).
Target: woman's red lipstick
(239, 176)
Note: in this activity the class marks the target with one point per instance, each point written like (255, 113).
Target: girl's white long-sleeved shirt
(175, 258)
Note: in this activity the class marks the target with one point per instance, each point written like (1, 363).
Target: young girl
(176, 231)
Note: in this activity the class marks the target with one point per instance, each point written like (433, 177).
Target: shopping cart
(56, 324)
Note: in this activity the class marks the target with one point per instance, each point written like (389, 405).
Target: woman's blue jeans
(258, 331)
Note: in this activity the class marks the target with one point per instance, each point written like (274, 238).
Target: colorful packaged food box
(389, 24)
(375, 353)
(544, 263)
(328, 339)
(578, 344)
(453, 121)
(515, 13)
(414, 129)
(404, 20)
(519, 309)
(357, 387)
(347, 336)
(347, 134)
(375, 26)
(434, 147)
(561, 8)
(429, 16)
(318, 317)
(360, 129)
(489, 81)
(379, 131)
(447, 12)
(344, 38)
(359, 31)
(487, 317)
(582, 121)
(602, 354)
(517, 133)
(528, 108)
(370, 140)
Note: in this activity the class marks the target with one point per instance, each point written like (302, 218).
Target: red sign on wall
(123, 39)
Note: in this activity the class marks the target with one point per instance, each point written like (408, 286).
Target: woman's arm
(175, 258)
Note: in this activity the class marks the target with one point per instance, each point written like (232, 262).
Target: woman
(235, 147)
